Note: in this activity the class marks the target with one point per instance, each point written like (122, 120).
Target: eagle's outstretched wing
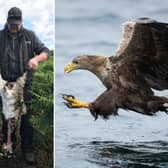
(144, 46)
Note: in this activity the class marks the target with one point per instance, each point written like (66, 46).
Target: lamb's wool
(13, 104)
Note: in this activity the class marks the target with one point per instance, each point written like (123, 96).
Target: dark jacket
(16, 52)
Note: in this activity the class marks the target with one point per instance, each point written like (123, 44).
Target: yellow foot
(71, 102)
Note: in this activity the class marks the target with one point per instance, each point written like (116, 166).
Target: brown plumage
(139, 64)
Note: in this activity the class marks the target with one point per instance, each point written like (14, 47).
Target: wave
(125, 155)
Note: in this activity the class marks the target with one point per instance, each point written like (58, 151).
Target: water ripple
(124, 155)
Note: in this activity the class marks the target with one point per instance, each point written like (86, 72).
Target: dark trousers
(26, 129)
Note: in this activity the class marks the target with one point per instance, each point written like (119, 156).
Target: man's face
(14, 28)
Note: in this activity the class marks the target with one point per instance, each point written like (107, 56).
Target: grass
(42, 107)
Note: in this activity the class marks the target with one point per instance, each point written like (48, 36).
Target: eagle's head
(92, 63)
(97, 64)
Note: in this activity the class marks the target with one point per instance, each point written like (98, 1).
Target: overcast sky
(37, 15)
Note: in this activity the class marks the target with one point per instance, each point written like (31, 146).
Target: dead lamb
(13, 107)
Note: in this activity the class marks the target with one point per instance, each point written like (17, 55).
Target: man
(20, 51)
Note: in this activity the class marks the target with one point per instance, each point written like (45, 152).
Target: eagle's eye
(75, 62)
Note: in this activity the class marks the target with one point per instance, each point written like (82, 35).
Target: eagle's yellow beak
(70, 67)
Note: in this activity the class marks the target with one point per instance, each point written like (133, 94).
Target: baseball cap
(14, 16)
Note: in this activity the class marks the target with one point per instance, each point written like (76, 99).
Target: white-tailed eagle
(139, 64)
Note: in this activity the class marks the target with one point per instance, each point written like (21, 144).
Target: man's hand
(33, 62)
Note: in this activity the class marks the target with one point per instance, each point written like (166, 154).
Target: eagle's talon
(69, 105)
(68, 98)
(72, 102)
(71, 96)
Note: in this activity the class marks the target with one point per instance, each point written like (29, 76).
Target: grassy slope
(42, 107)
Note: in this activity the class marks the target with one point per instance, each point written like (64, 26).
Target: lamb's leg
(7, 147)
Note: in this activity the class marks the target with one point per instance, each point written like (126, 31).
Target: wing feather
(137, 38)
(144, 46)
